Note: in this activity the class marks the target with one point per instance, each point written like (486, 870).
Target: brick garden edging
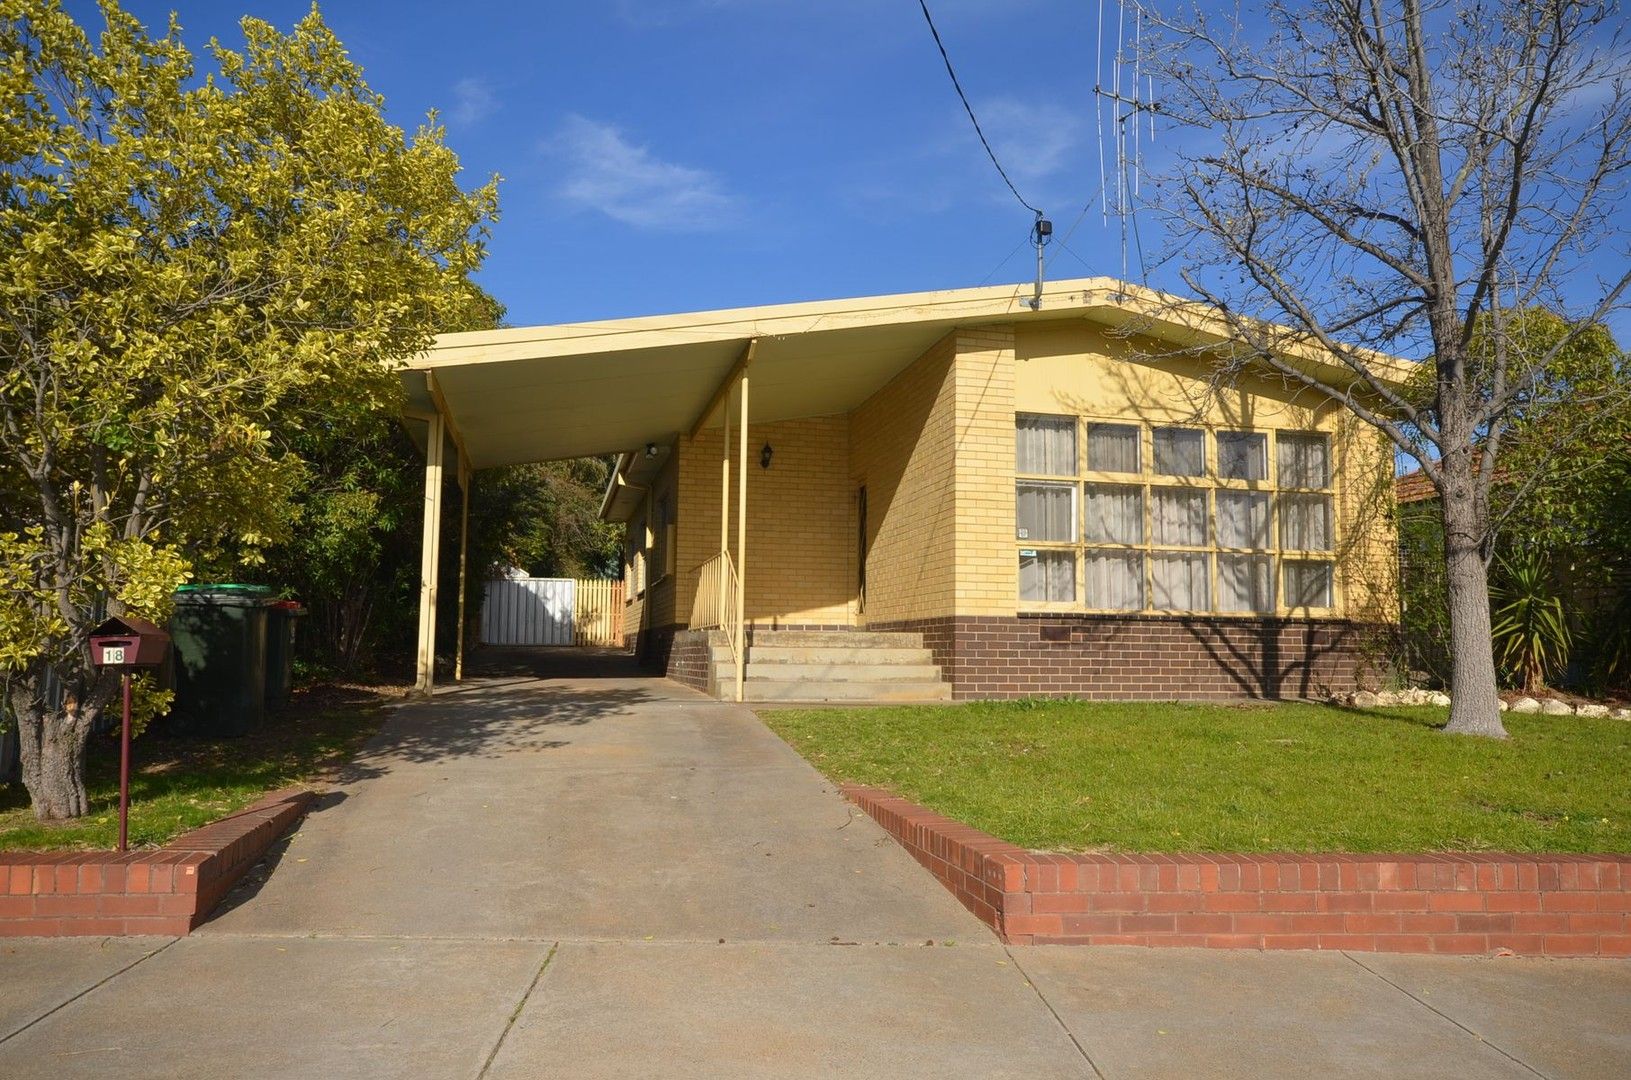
(167, 891)
(1533, 905)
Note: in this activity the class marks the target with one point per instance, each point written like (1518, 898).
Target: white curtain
(1045, 445)
(1242, 455)
(1304, 461)
(1178, 581)
(1112, 448)
(1180, 451)
(1305, 522)
(1178, 516)
(1045, 511)
(1114, 514)
(1243, 519)
(1047, 576)
(1245, 583)
(1308, 583)
(1115, 580)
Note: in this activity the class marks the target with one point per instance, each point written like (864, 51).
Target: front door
(860, 551)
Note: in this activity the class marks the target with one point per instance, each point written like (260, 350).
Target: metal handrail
(713, 605)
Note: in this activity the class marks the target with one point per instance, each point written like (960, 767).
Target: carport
(632, 386)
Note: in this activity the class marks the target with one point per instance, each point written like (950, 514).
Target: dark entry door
(860, 550)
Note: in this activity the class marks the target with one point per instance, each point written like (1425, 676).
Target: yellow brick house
(953, 494)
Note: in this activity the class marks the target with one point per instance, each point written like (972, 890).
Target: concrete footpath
(605, 875)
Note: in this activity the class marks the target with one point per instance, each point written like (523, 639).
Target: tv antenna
(1129, 101)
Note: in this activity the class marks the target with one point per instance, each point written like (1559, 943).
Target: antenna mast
(1130, 101)
(1040, 233)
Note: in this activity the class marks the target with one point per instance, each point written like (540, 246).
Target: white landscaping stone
(1501, 706)
(1387, 697)
(1553, 707)
(1596, 712)
(1363, 699)
(1622, 714)
(1526, 705)
(1441, 700)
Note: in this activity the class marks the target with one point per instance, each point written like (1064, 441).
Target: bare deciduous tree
(1403, 177)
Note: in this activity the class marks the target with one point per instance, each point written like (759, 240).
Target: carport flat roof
(578, 389)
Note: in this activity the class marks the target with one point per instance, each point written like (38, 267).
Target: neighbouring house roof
(577, 389)
(1413, 487)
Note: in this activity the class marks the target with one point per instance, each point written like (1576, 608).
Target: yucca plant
(1531, 636)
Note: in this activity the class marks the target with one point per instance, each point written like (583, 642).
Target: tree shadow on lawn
(182, 781)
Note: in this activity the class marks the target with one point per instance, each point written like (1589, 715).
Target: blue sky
(673, 155)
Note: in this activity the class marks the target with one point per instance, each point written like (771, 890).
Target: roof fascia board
(1102, 299)
(612, 482)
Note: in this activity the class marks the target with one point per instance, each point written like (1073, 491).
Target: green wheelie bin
(281, 618)
(218, 633)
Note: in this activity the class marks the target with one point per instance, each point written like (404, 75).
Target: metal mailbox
(128, 641)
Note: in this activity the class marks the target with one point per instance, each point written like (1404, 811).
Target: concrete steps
(759, 671)
(859, 692)
(780, 654)
(836, 639)
(827, 665)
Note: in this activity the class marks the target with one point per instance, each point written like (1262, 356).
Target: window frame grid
(1078, 589)
(1210, 483)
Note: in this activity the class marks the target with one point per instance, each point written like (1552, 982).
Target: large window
(1116, 516)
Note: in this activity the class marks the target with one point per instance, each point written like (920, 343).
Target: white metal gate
(528, 611)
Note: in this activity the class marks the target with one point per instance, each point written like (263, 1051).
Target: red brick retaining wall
(1551, 905)
(1144, 657)
(167, 891)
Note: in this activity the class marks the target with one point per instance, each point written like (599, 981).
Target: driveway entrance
(600, 874)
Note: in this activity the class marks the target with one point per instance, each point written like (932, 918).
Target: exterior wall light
(651, 449)
(764, 456)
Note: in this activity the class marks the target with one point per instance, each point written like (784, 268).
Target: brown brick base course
(688, 659)
(1532, 905)
(167, 891)
(1143, 657)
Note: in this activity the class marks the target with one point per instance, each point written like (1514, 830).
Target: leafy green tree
(193, 269)
(1563, 481)
(1560, 509)
(545, 519)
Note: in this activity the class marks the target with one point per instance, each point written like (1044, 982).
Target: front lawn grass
(1086, 776)
(180, 783)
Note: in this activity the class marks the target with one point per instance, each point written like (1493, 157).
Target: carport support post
(725, 482)
(742, 537)
(464, 563)
(429, 545)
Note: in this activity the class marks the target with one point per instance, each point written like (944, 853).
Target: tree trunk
(1474, 703)
(51, 749)
(53, 760)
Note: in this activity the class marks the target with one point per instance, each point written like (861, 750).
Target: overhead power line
(992, 154)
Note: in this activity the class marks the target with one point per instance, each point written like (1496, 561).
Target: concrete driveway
(563, 869)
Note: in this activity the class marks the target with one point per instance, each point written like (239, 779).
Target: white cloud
(473, 101)
(1032, 141)
(628, 183)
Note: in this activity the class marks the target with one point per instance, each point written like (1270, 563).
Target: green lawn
(179, 784)
(1080, 776)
